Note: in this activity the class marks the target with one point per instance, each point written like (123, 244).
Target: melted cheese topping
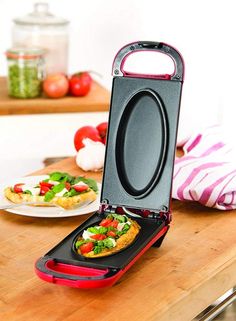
(60, 194)
(33, 190)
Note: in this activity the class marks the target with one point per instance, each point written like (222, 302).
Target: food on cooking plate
(113, 234)
(60, 189)
(56, 85)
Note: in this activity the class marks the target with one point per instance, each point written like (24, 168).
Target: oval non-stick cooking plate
(139, 162)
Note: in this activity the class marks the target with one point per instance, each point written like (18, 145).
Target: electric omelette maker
(137, 175)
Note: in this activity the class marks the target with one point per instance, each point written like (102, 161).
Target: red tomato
(111, 233)
(98, 237)
(80, 84)
(86, 248)
(18, 188)
(80, 188)
(44, 189)
(104, 140)
(67, 185)
(46, 184)
(102, 129)
(105, 222)
(114, 223)
(56, 85)
(86, 132)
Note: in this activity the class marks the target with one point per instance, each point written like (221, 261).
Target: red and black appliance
(137, 175)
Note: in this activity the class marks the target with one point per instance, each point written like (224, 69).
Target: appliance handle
(123, 53)
(49, 268)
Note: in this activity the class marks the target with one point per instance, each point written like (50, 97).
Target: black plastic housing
(64, 251)
(141, 143)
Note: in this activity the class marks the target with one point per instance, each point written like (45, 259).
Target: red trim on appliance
(129, 74)
(90, 272)
(82, 284)
(51, 265)
(164, 77)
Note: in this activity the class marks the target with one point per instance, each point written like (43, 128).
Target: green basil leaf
(55, 176)
(126, 227)
(89, 181)
(58, 188)
(79, 243)
(28, 192)
(124, 230)
(101, 244)
(102, 230)
(119, 218)
(97, 250)
(67, 178)
(71, 193)
(93, 229)
(49, 196)
(108, 243)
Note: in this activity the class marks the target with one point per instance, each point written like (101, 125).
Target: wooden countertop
(97, 100)
(195, 265)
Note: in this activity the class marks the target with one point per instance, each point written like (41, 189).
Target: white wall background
(203, 31)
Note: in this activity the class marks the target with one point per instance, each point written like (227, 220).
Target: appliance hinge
(111, 209)
(163, 214)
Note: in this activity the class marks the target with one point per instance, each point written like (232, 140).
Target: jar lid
(41, 17)
(24, 53)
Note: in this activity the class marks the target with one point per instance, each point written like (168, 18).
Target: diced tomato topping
(111, 233)
(18, 188)
(80, 188)
(44, 189)
(67, 185)
(87, 247)
(46, 184)
(105, 222)
(114, 223)
(98, 237)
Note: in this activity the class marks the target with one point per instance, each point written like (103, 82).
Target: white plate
(45, 211)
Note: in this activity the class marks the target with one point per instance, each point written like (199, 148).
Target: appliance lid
(141, 139)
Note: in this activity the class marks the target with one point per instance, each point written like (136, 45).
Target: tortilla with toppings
(60, 189)
(113, 234)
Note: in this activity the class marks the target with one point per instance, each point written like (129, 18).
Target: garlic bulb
(91, 157)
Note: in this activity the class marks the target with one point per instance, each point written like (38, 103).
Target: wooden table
(98, 99)
(195, 265)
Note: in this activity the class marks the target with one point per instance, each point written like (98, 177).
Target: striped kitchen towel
(207, 171)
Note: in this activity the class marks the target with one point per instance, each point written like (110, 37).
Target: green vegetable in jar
(24, 81)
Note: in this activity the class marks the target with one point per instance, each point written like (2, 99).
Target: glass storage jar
(25, 72)
(44, 30)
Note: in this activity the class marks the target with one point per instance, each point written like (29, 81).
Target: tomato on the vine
(102, 129)
(80, 84)
(86, 132)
